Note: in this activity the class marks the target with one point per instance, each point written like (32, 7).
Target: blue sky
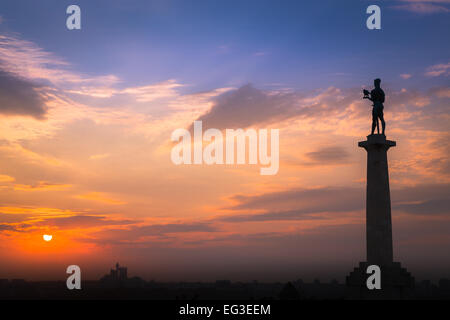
(207, 44)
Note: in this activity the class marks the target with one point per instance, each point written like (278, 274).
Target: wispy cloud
(437, 70)
(41, 186)
(290, 215)
(260, 53)
(154, 92)
(32, 79)
(26, 59)
(6, 178)
(84, 221)
(426, 1)
(148, 234)
(100, 197)
(423, 6)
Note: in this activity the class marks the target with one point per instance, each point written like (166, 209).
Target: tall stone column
(378, 201)
(396, 282)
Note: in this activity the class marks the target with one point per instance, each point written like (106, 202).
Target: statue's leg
(374, 124)
(383, 124)
(374, 121)
(378, 126)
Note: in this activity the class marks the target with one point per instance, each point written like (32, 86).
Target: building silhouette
(120, 273)
(116, 277)
(396, 281)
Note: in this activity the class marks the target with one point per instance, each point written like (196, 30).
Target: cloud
(270, 216)
(438, 70)
(174, 228)
(247, 106)
(260, 53)
(36, 212)
(19, 96)
(405, 76)
(303, 204)
(7, 227)
(13, 218)
(153, 92)
(430, 207)
(441, 92)
(329, 155)
(321, 109)
(6, 178)
(148, 93)
(99, 156)
(32, 79)
(41, 186)
(142, 233)
(427, 198)
(14, 227)
(100, 197)
(304, 201)
(414, 100)
(27, 60)
(423, 6)
(83, 221)
(424, 1)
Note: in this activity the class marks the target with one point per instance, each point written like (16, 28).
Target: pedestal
(396, 283)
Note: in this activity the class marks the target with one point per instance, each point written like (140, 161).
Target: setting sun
(47, 237)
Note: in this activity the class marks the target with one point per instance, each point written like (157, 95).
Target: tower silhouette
(395, 280)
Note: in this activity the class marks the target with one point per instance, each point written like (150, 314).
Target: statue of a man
(377, 97)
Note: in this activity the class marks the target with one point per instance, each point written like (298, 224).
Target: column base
(396, 283)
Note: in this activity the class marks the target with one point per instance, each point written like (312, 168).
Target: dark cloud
(303, 204)
(247, 106)
(329, 155)
(7, 227)
(17, 227)
(13, 218)
(270, 216)
(431, 207)
(159, 231)
(18, 96)
(421, 192)
(305, 200)
(422, 199)
(174, 228)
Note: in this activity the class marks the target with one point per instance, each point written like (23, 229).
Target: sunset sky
(86, 118)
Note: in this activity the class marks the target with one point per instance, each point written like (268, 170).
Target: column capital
(376, 140)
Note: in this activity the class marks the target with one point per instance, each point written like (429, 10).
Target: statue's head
(377, 82)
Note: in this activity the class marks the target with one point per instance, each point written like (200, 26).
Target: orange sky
(95, 172)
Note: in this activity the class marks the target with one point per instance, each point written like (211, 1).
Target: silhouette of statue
(377, 97)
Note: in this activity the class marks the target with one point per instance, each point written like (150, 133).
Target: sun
(47, 237)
